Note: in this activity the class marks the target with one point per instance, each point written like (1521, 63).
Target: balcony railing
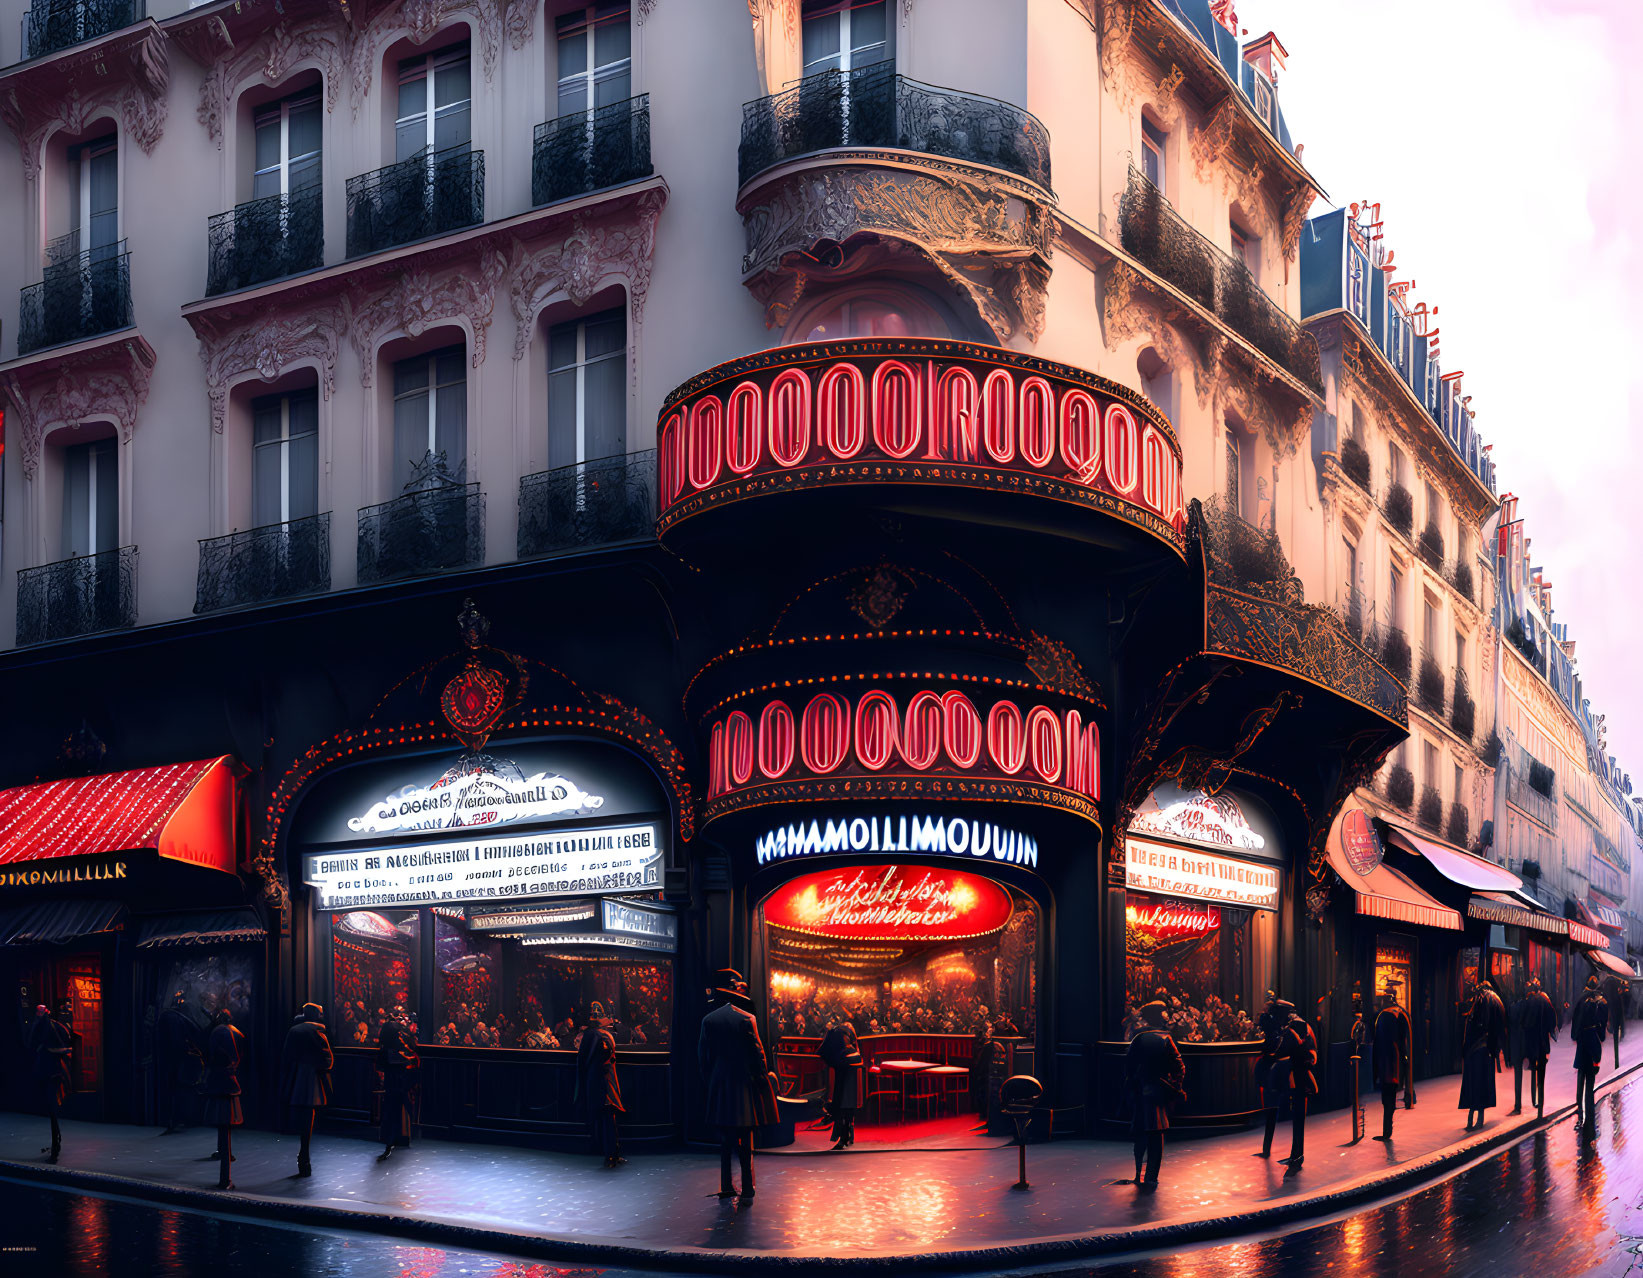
(596, 503)
(53, 26)
(428, 194)
(575, 154)
(1429, 686)
(266, 239)
(874, 107)
(431, 530)
(79, 296)
(77, 596)
(260, 564)
(1152, 232)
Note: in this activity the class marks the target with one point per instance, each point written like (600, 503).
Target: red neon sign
(890, 902)
(916, 411)
(1172, 922)
(933, 734)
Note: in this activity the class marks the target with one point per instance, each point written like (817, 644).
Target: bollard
(1016, 1099)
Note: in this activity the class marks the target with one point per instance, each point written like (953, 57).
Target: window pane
(562, 345)
(821, 44)
(573, 98)
(374, 961)
(573, 46)
(304, 413)
(612, 42)
(613, 88)
(409, 138)
(104, 460)
(410, 374)
(410, 436)
(266, 460)
(265, 184)
(413, 97)
(448, 365)
(451, 128)
(265, 419)
(470, 978)
(606, 333)
(604, 416)
(76, 501)
(450, 427)
(561, 419)
(303, 463)
(305, 129)
(867, 29)
(451, 84)
(268, 144)
(304, 172)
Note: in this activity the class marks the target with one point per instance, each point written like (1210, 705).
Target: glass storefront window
(373, 971)
(1210, 965)
(1395, 966)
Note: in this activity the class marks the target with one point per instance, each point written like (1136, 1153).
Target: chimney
(1267, 55)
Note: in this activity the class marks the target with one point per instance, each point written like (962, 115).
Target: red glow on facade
(776, 741)
(890, 903)
(824, 733)
(1172, 921)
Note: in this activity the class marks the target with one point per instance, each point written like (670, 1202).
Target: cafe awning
(1608, 918)
(184, 811)
(1612, 963)
(59, 922)
(1455, 865)
(1499, 907)
(1591, 916)
(207, 927)
(1385, 893)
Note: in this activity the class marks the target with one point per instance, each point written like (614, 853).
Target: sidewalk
(947, 1210)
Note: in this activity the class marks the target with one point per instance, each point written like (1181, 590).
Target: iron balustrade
(594, 503)
(60, 25)
(77, 596)
(584, 152)
(872, 106)
(1158, 237)
(431, 193)
(79, 295)
(265, 239)
(260, 564)
(426, 531)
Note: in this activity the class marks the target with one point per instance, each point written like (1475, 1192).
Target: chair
(953, 1081)
(880, 1086)
(925, 1090)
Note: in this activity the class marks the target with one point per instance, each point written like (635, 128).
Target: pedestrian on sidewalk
(1481, 1048)
(1535, 1025)
(306, 1062)
(1393, 1061)
(740, 1095)
(52, 1043)
(1298, 1048)
(1587, 1027)
(1155, 1074)
(1614, 994)
(1271, 1074)
(986, 1064)
(223, 1051)
(180, 1059)
(841, 1052)
(400, 1067)
(596, 1080)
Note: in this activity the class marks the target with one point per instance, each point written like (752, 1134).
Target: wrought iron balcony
(596, 503)
(79, 296)
(428, 194)
(1152, 232)
(260, 564)
(58, 24)
(426, 531)
(77, 596)
(265, 239)
(874, 107)
(575, 154)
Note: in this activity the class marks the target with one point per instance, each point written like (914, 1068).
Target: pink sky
(1502, 139)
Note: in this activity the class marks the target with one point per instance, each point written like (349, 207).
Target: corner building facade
(889, 534)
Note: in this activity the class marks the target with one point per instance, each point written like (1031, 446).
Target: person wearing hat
(596, 1081)
(740, 1095)
(224, 1049)
(1155, 1074)
(1271, 1074)
(1536, 1026)
(177, 1039)
(1481, 1047)
(1393, 1054)
(1614, 994)
(306, 1061)
(1298, 1053)
(399, 1066)
(52, 1043)
(1587, 1027)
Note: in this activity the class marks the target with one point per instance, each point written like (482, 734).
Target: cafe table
(904, 1068)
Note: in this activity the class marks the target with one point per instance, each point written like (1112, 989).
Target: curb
(705, 1260)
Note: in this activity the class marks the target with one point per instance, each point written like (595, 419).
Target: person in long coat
(224, 1049)
(1536, 1027)
(985, 1051)
(740, 1095)
(52, 1043)
(1614, 994)
(306, 1062)
(1155, 1075)
(596, 1080)
(1298, 1050)
(1393, 1055)
(1481, 1046)
(177, 1044)
(841, 1053)
(1271, 1074)
(400, 1067)
(1587, 1027)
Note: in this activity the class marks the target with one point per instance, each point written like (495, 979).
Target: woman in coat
(1481, 1046)
(1155, 1074)
(740, 1095)
(1587, 1027)
(399, 1067)
(52, 1043)
(1391, 1061)
(224, 1047)
(596, 1079)
(841, 1053)
(307, 1063)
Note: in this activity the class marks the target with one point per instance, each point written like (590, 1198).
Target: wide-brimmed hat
(729, 986)
(1152, 1013)
(313, 1012)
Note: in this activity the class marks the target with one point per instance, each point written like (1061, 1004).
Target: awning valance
(208, 927)
(1455, 865)
(1385, 893)
(1608, 918)
(1497, 907)
(59, 922)
(1612, 963)
(1592, 915)
(184, 811)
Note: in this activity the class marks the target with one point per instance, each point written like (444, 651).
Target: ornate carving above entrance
(103, 383)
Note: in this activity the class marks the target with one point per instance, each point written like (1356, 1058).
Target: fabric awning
(1498, 907)
(184, 811)
(1608, 918)
(59, 922)
(1456, 866)
(1385, 893)
(208, 927)
(1522, 896)
(1611, 963)
(1584, 934)
(1592, 915)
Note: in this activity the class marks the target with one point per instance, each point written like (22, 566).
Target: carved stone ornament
(126, 77)
(989, 239)
(1130, 310)
(642, 10)
(1211, 139)
(326, 42)
(268, 347)
(421, 298)
(1294, 220)
(420, 19)
(1117, 21)
(105, 383)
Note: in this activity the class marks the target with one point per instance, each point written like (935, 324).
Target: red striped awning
(183, 811)
(1613, 963)
(1581, 934)
(1497, 907)
(1385, 893)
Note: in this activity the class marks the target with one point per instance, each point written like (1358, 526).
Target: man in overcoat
(1614, 994)
(1298, 1051)
(177, 1044)
(224, 1049)
(1535, 1025)
(399, 1066)
(1270, 1075)
(740, 1095)
(1587, 1027)
(596, 1079)
(1482, 1043)
(1156, 1077)
(52, 1043)
(1393, 1053)
(306, 1062)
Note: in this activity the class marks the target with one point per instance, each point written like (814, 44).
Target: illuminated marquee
(890, 902)
(920, 411)
(1178, 871)
(921, 833)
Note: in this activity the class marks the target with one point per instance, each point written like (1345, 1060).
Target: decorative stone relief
(419, 300)
(642, 9)
(1128, 310)
(327, 41)
(421, 19)
(1117, 21)
(268, 347)
(91, 385)
(1294, 220)
(1211, 140)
